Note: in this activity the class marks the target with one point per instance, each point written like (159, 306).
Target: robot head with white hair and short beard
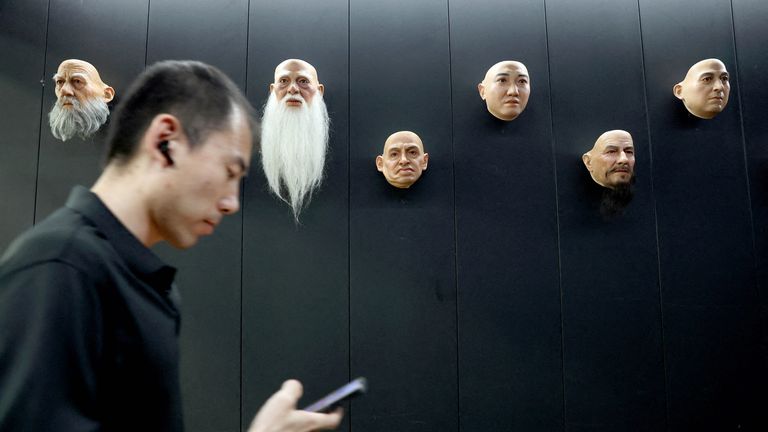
(294, 134)
(81, 104)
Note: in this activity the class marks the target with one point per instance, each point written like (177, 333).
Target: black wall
(491, 295)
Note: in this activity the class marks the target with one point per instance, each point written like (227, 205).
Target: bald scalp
(495, 69)
(700, 66)
(404, 136)
(603, 139)
(292, 64)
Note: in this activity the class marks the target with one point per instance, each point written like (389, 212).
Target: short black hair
(201, 96)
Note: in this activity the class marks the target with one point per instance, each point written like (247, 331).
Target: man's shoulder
(65, 237)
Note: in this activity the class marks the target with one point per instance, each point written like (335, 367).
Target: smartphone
(352, 388)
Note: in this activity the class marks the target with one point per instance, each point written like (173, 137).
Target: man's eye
(501, 80)
(706, 79)
(60, 82)
(725, 78)
(523, 81)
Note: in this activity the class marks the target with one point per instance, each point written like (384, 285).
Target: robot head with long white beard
(81, 104)
(294, 134)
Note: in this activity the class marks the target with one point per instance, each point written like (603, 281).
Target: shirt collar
(140, 259)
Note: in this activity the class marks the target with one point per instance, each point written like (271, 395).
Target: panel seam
(557, 211)
(42, 116)
(455, 217)
(655, 221)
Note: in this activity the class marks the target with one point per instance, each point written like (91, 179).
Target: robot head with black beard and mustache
(611, 164)
(294, 134)
(81, 105)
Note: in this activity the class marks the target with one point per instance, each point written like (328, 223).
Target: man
(403, 159)
(505, 89)
(611, 163)
(705, 89)
(81, 104)
(89, 315)
(294, 138)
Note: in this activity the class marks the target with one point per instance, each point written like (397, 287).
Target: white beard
(294, 141)
(82, 119)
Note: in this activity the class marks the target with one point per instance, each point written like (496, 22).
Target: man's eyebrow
(56, 76)
(243, 166)
(502, 74)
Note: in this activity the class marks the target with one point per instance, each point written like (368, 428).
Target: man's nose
(293, 88)
(513, 90)
(230, 204)
(403, 158)
(623, 157)
(718, 85)
(66, 90)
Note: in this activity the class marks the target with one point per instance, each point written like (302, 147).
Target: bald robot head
(81, 100)
(611, 161)
(705, 89)
(297, 80)
(294, 134)
(505, 89)
(403, 159)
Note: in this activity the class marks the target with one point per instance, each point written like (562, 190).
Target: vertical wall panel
(510, 363)
(22, 56)
(111, 36)
(750, 17)
(210, 288)
(296, 276)
(462, 316)
(704, 223)
(402, 271)
(613, 361)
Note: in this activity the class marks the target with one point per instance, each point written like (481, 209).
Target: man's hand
(279, 413)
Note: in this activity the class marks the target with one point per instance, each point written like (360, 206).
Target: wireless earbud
(163, 147)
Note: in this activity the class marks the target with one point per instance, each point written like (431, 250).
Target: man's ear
(163, 128)
(272, 87)
(481, 90)
(321, 89)
(380, 163)
(109, 94)
(424, 161)
(587, 161)
(678, 90)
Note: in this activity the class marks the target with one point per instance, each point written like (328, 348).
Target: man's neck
(123, 196)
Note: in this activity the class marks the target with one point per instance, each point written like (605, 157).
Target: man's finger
(292, 388)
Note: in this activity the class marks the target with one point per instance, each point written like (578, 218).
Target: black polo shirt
(89, 327)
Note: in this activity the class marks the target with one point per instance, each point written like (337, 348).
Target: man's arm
(50, 337)
(279, 413)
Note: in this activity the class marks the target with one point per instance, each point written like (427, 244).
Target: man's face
(611, 162)
(705, 89)
(505, 89)
(296, 82)
(403, 159)
(79, 79)
(203, 185)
